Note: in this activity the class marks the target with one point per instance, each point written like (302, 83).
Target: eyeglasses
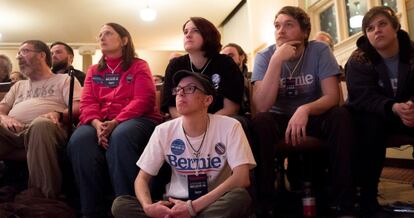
(104, 34)
(26, 51)
(190, 89)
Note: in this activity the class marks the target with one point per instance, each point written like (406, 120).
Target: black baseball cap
(201, 78)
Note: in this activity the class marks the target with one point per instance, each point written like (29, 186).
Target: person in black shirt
(380, 82)
(240, 58)
(62, 58)
(202, 43)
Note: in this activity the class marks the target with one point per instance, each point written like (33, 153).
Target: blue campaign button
(177, 147)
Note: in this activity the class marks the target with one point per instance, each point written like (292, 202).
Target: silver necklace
(296, 66)
(204, 68)
(196, 152)
(113, 70)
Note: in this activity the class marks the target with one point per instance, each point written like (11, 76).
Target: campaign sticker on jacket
(97, 79)
(112, 79)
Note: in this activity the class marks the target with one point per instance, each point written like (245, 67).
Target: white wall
(262, 14)
(157, 60)
(252, 26)
(237, 30)
(77, 60)
(11, 53)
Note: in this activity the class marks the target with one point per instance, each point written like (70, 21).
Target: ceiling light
(148, 14)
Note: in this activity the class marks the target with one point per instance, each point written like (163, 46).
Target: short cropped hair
(68, 49)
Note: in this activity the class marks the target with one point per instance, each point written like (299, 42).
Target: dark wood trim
(398, 162)
(232, 13)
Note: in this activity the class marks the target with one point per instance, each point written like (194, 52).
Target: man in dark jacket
(62, 58)
(380, 80)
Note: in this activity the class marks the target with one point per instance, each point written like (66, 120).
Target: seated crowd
(205, 156)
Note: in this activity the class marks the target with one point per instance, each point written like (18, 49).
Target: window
(390, 3)
(328, 22)
(355, 11)
(343, 18)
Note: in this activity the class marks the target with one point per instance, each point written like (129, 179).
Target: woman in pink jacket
(118, 115)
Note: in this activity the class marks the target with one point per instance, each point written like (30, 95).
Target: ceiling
(77, 22)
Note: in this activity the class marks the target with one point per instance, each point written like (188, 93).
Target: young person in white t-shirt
(209, 156)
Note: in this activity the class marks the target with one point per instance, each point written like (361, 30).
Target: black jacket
(365, 70)
(78, 75)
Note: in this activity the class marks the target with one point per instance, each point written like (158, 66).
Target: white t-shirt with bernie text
(225, 147)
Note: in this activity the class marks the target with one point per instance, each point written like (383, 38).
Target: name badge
(197, 186)
(291, 90)
(112, 79)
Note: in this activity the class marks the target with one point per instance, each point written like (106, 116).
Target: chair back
(4, 88)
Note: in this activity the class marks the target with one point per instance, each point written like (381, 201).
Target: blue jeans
(91, 163)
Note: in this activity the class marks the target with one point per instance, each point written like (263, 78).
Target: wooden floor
(391, 191)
